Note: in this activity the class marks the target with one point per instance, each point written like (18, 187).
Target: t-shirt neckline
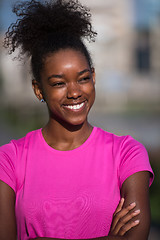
(80, 148)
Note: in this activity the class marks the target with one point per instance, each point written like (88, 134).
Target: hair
(44, 28)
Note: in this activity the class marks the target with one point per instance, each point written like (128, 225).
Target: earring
(42, 100)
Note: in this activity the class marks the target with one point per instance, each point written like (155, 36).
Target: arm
(118, 228)
(134, 189)
(7, 212)
(8, 220)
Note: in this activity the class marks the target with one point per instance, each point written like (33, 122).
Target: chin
(74, 124)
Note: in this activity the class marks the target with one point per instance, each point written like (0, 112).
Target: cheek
(54, 95)
(93, 95)
(90, 90)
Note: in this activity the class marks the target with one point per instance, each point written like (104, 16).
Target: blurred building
(126, 56)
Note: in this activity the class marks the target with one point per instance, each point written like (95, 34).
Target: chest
(68, 197)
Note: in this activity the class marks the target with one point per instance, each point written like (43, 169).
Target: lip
(75, 107)
(74, 103)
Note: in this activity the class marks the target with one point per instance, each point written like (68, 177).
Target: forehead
(67, 58)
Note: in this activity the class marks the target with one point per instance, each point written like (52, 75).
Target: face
(68, 86)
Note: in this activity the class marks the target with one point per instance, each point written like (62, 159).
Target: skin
(66, 79)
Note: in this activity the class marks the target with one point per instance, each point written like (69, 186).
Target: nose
(73, 90)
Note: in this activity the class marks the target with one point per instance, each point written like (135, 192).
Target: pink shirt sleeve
(134, 158)
(7, 165)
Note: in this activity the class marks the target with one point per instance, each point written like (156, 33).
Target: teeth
(75, 107)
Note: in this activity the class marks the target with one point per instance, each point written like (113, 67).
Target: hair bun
(36, 20)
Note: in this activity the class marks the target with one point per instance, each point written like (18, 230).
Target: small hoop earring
(42, 100)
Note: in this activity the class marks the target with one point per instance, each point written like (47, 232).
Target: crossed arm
(125, 224)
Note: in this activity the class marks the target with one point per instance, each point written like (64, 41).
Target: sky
(6, 15)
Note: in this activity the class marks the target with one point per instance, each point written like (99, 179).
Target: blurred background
(126, 56)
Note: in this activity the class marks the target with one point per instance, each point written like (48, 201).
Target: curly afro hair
(44, 27)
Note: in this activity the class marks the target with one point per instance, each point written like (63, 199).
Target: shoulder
(12, 148)
(129, 154)
(12, 159)
(119, 142)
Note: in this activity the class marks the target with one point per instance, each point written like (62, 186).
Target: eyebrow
(62, 75)
(84, 71)
(55, 76)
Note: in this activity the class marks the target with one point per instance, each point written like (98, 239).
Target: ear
(37, 89)
(93, 75)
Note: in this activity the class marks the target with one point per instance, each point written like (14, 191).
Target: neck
(66, 137)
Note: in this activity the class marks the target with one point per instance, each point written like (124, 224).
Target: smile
(75, 106)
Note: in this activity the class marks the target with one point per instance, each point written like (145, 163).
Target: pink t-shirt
(69, 194)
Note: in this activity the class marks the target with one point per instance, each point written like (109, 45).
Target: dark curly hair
(48, 26)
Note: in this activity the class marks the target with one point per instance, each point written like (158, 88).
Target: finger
(125, 228)
(119, 207)
(125, 220)
(129, 216)
(121, 214)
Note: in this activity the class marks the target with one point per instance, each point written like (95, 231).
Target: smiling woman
(67, 85)
(68, 180)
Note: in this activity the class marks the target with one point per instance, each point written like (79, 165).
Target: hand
(122, 219)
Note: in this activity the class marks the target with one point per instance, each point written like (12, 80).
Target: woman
(68, 180)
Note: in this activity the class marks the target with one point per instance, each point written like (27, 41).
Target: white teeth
(75, 107)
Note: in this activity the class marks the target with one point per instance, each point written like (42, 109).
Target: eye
(85, 79)
(57, 84)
